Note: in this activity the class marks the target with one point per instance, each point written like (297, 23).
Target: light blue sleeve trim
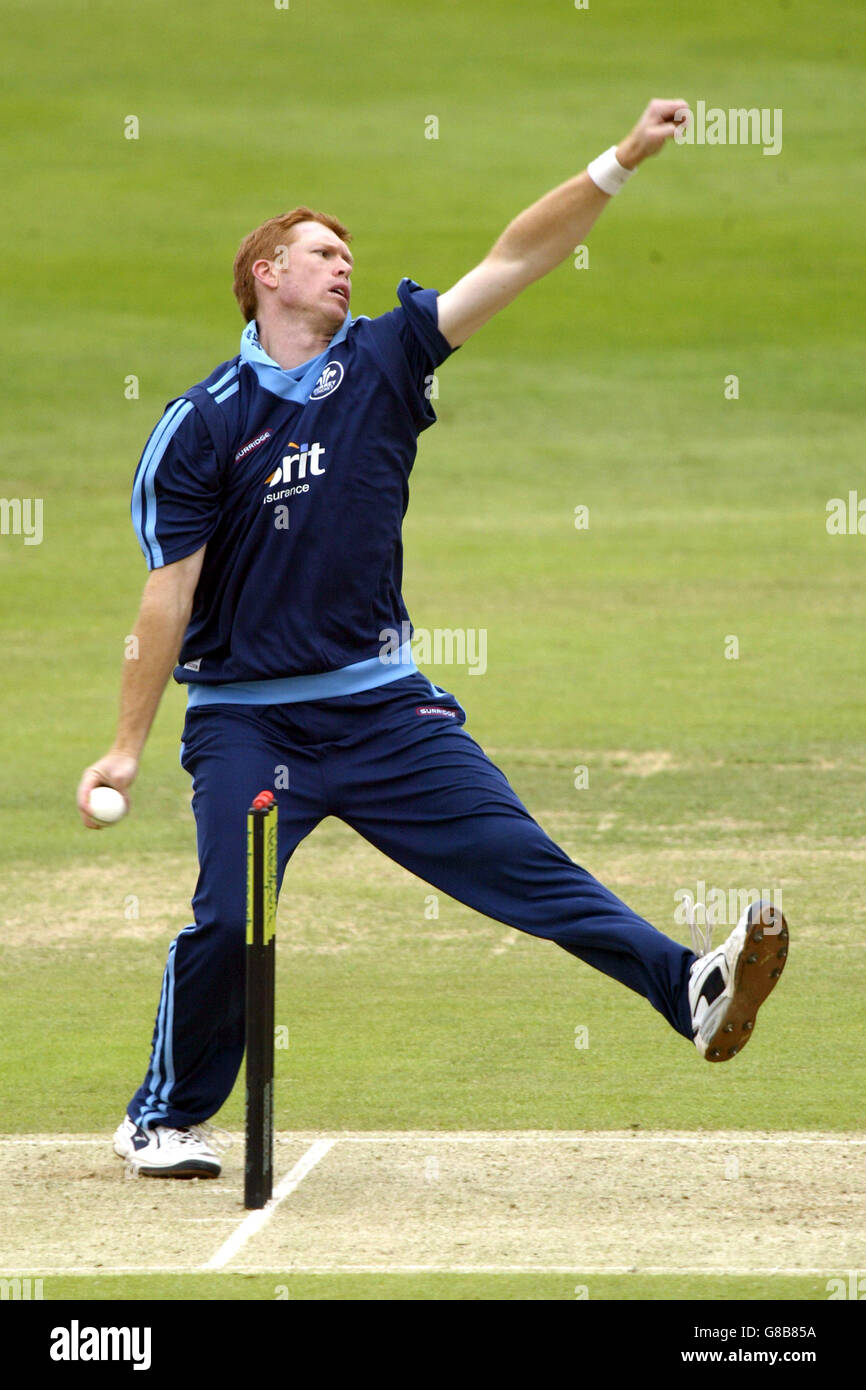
(144, 485)
(227, 376)
(348, 680)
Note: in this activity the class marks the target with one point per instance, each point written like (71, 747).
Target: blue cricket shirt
(302, 511)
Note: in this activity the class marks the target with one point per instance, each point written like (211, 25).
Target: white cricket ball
(106, 805)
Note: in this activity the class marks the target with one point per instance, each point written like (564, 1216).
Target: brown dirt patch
(728, 1202)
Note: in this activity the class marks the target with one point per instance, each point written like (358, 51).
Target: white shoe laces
(203, 1133)
(213, 1135)
(702, 937)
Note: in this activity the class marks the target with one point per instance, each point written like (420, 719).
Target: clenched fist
(659, 122)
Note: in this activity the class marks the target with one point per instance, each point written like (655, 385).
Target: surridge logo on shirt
(332, 375)
(308, 454)
(252, 444)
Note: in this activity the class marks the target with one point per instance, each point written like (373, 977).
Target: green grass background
(602, 387)
(558, 1288)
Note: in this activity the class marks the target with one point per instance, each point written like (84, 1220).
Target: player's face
(316, 273)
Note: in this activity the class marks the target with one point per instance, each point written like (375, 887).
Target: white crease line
(712, 1272)
(39, 1141)
(541, 1269)
(601, 1136)
(723, 1137)
(257, 1219)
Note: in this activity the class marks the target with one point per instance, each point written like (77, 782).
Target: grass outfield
(608, 649)
(394, 1020)
(446, 1287)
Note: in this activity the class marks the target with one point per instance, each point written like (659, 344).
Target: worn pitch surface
(650, 1201)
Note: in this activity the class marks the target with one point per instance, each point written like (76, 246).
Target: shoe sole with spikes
(754, 957)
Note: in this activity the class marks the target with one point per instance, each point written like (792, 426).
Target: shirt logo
(332, 375)
(252, 444)
(293, 467)
(436, 709)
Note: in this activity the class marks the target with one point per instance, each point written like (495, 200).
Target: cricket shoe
(163, 1152)
(728, 985)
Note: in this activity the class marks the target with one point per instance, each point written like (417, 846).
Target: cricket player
(268, 504)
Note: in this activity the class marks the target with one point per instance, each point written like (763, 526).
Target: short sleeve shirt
(300, 504)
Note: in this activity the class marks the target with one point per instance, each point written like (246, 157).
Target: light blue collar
(292, 383)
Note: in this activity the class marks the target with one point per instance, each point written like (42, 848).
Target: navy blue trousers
(417, 786)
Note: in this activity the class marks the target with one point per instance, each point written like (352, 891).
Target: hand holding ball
(106, 805)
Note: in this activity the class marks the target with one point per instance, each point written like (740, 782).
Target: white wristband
(607, 173)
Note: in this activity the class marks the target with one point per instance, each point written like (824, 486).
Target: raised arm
(543, 235)
(162, 620)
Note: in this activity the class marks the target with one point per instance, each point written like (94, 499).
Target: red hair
(263, 244)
